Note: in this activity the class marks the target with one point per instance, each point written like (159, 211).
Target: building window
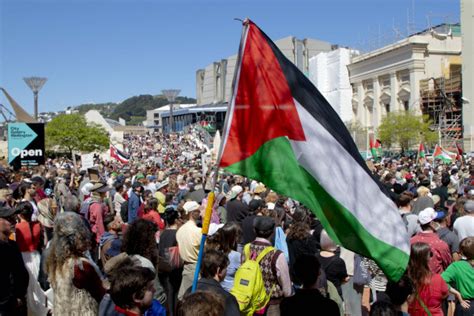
(404, 76)
(368, 86)
(387, 108)
(385, 81)
(406, 105)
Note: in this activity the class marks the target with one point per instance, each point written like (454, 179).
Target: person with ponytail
(429, 288)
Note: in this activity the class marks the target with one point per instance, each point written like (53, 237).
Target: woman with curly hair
(140, 243)
(226, 239)
(429, 289)
(75, 279)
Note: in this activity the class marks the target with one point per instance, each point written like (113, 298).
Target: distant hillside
(138, 105)
(106, 109)
(133, 109)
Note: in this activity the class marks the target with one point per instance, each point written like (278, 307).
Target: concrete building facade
(214, 83)
(388, 79)
(93, 116)
(328, 72)
(154, 117)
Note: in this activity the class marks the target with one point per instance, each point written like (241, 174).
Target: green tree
(406, 129)
(71, 132)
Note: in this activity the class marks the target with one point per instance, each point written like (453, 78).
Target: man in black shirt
(13, 274)
(308, 300)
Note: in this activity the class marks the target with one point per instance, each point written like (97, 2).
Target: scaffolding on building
(441, 101)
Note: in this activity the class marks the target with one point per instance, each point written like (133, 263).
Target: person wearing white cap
(188, 237)
(236, 209)
(464, 225)
(441, 254)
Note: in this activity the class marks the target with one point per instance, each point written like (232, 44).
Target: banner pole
(211, 196)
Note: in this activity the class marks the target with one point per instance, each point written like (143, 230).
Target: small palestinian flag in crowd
(281, 131)
(119, 155)
(421, 152)
(443, 155)
(376, 148)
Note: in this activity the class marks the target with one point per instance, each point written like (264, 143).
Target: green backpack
(249, 288)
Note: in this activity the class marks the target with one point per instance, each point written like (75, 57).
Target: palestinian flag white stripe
(347, 183)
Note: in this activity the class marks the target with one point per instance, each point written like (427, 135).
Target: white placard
(87, 161)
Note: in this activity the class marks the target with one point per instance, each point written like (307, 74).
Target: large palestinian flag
(281, 131)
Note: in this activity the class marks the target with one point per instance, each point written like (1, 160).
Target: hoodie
(106, 237)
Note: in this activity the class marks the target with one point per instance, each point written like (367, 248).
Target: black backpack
(124, 211)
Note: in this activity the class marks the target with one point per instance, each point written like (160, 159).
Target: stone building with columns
(388, 79)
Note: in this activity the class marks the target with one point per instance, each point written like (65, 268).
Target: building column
(361, 110)
(394, 104)
(377, 112)
(415, 77)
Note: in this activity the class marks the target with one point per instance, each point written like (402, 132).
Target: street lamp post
(35, 84)
(171, 95)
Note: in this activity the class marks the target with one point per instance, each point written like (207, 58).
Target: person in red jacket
(429, 288)
(151, 213)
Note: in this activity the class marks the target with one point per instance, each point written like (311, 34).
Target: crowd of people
(124, 239)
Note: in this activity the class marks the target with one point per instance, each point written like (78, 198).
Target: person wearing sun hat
(160, 195)
(97, 209)
(134, 201)
(441, 254)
